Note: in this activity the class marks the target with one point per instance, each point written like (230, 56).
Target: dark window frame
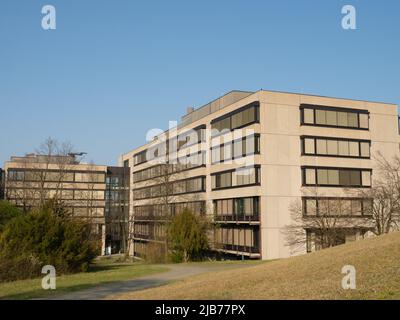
(257, 147)
(203, 188)
(304, 207)
(257, 183)
(315, 138)
(336, 109)
(255, 105)
(316, 168)
(38, 170)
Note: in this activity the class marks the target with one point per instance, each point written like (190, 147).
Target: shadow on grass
(116, 284)
(102, 290)
(111, 267)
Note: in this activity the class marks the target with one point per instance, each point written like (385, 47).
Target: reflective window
(336, 147)
(334, 117)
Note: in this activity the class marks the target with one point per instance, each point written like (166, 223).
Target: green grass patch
(103, 271)
(315, 276)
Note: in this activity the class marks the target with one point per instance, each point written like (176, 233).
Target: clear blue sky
(114, 69)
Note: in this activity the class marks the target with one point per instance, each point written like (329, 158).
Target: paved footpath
(175, 272)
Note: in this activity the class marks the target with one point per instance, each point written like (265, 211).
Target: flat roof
(245, 94)
(329, 97)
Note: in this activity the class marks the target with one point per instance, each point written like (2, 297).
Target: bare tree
(324, 222)
(168, 187)
(385, 192)
(54, 159)
(163, 184)
(41, 175)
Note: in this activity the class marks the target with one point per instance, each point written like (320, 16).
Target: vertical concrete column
(103, 240)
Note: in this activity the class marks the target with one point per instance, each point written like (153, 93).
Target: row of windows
(160, 210)
(150, 231)
(139, 158)
(340, 177)
(178, 187)
(151, 153)
(245, 237)
(175, 144)
(116, 195)
(63, 194)
(238, 119)
(236, 178)
(236, 149)
(92, 211)
(82, 212)
(187, 139)
(238, 206)
(336, 207)
(316, 239)
(183, 163)
(51, 176)
(334, 117)
(335, 147)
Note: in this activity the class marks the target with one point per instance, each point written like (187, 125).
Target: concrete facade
(92, 192)
(354, 132)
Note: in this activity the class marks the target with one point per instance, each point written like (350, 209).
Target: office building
(246, 157)
(92, 192)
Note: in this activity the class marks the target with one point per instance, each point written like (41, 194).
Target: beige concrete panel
(280, 119)
(384, 108)
(335, 162)
(333, 102)
(280, 180)
(384, 127)
(281, 98)
(280, 149)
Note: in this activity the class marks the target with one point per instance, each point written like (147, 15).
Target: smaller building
(82, 188)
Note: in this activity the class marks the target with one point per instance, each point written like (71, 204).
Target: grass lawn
(308, 277)
(103, 271)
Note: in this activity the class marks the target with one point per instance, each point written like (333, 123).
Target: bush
(187, 237)
(33, 240)
(155, 253)
(21, 267)
(7, 213)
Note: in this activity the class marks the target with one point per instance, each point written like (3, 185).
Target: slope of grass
(102, 272)
(313, 276)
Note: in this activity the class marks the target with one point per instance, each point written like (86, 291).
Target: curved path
(175, 272)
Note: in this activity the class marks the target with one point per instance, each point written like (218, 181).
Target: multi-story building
(246, 157)
(88, 191)
(117, 209)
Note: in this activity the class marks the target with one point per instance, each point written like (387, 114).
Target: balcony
(152, 218)
(237, 219)
(250, 251)
(141, 236)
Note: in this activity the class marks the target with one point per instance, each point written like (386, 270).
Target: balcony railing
(150, 236)
(141, 236)
(152, 218)
(237, 218)
(239, 249)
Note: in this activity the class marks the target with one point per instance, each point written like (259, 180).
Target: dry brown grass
(313, 276)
